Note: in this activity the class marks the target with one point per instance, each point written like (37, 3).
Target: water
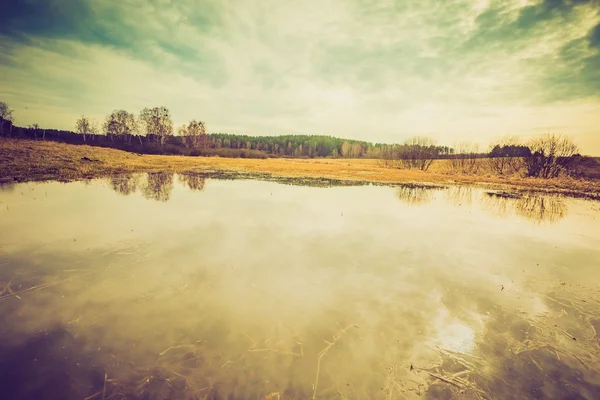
(166, 286)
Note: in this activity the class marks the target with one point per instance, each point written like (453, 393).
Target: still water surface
(164, 286)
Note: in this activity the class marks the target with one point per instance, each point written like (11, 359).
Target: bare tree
(551, 155)
(120, 123)
(183, 132)
(506, 156)
(157, 122)
(498, 163)
(388, 156)
(357, 150)
(5, 115)
(345, 150)
(85, 127)
(35, 128)
(5, 112)
(298, 152)
(465, 157)
(416, 153)
(194, 134)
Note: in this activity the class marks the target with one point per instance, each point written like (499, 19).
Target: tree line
(151, 131)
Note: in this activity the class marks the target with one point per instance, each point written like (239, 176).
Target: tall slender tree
(120, 123)
(157, 122)
(5, 112)
(85, 127)
(5, 115)
(194, 134)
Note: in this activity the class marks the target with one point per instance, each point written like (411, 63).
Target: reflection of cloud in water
(55, 364)
(453, 334)
(539, 208)
(415, 194)
(181, 307)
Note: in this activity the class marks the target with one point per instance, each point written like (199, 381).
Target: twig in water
(92, 396)
(275, 351)
(31, 289)
(187, 381)
(445, 380)
(177, 347)
(38, 287)
(340, 393)
(322, 354)
(75, 321)
(8, 289)
(234, 361)
(104, 388)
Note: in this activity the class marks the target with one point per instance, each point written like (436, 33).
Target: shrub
(550, 156)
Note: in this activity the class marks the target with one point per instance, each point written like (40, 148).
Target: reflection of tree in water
(158, 186)
(541, 208)
(192, 181)
(535, 207)
(414, 195)
(124, 184)
(459, 195)
(7, 187)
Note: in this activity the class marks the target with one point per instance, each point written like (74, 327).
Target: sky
(381, 71)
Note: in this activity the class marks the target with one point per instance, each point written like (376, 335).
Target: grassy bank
(23, 160)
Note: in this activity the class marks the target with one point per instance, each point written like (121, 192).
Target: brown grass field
(25, 160)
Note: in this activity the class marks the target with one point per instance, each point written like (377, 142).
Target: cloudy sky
(374, 70)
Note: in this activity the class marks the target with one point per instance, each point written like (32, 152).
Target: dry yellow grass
(24, 160)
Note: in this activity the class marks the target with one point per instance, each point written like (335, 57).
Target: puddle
(164, 286)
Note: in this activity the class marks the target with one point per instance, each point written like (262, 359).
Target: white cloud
(332, 67)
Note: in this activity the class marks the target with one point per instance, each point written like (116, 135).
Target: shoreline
(27, 160)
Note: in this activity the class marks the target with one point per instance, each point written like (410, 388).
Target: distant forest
(223, 144)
